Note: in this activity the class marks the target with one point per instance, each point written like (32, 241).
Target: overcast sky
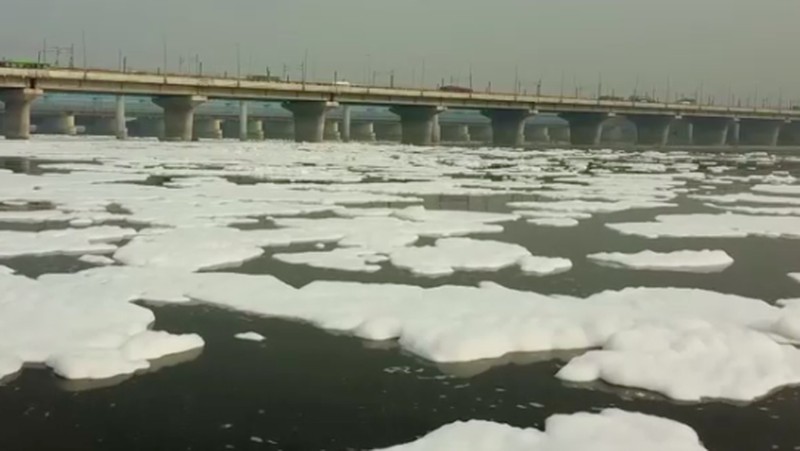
(738, 45)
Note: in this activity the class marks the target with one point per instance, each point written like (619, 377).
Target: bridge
(418, 109)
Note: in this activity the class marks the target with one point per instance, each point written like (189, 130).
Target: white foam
(457, 254)
(747, 198)
(5, 270)
(190, 249)
(96, 260)
(795, 276)
(611, 429)
(544, 266)
(93, 240)
(586, 206)
(250, 336)
(78, 331)
(691, 361)
(712, 225)
(420, 214)
(792, 190)
(554, 222)
(683, 261)
(769, 211)
(342, 259)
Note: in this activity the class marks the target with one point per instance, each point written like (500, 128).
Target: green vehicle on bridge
(23, 64)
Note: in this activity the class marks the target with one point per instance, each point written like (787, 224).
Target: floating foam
(250, 336)
(683, 261)
(611, 429)
(712, 225)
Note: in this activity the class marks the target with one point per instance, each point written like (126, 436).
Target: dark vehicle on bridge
(21, 64)
(263, 78)
(612, 98)
(454, 88)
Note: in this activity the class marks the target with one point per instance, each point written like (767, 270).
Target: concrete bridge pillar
(345, 129)
(417, 123)
(120, 121)
(17, 115)
(734, 137)
(388, 131)
(147, 127)
(457, 133)
(101, 126)
(760, 132)
(331, 132)
(681, 133)
(255, 130)
(651, 130)
(178, 116)
(436, 130)
(710, 131)
(362, 131)
(790, 134)
(480, 133)
(279, 129)
(585, 129)
(207, 128)
(508, 126)
(537, 133)
(309, 119)
(60, 124)
(243, 125)
(559, 133)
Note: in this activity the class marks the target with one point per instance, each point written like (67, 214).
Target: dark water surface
(307, 389)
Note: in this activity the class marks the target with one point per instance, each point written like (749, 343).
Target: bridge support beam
(558, 133)
(651, 130)
(60, 124)
(790, 134)
(101, 126)
(345, 128)
(207, 128)
(585, 129)
(279, 129)
(480, 133)
(178, 116)
(331, 132)
(537, 133)
(362, 131)
(243, 125)
(147, 127)
(457, 133)
(121, 123)
(508, 126)
(760, 132)
(710, 131)
(734, 137)
(681, 133)
(388, 131)
(17, 115)
(417, 123)
(309, 119)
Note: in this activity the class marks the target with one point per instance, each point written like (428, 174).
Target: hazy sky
(738, 45)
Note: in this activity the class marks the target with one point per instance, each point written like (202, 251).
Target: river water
(307, 389)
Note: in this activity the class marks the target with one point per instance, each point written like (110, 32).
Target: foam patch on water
(78, 332)
(342, 259)
(768, 211)
(688, 362)
(93, 240)
(99, 260)
(250, 336)
(464, 254)
(795, 276)
(712, 225)
(703, 261)
(554, 222)
(544, 266)
(611, 429)
(791, 190)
